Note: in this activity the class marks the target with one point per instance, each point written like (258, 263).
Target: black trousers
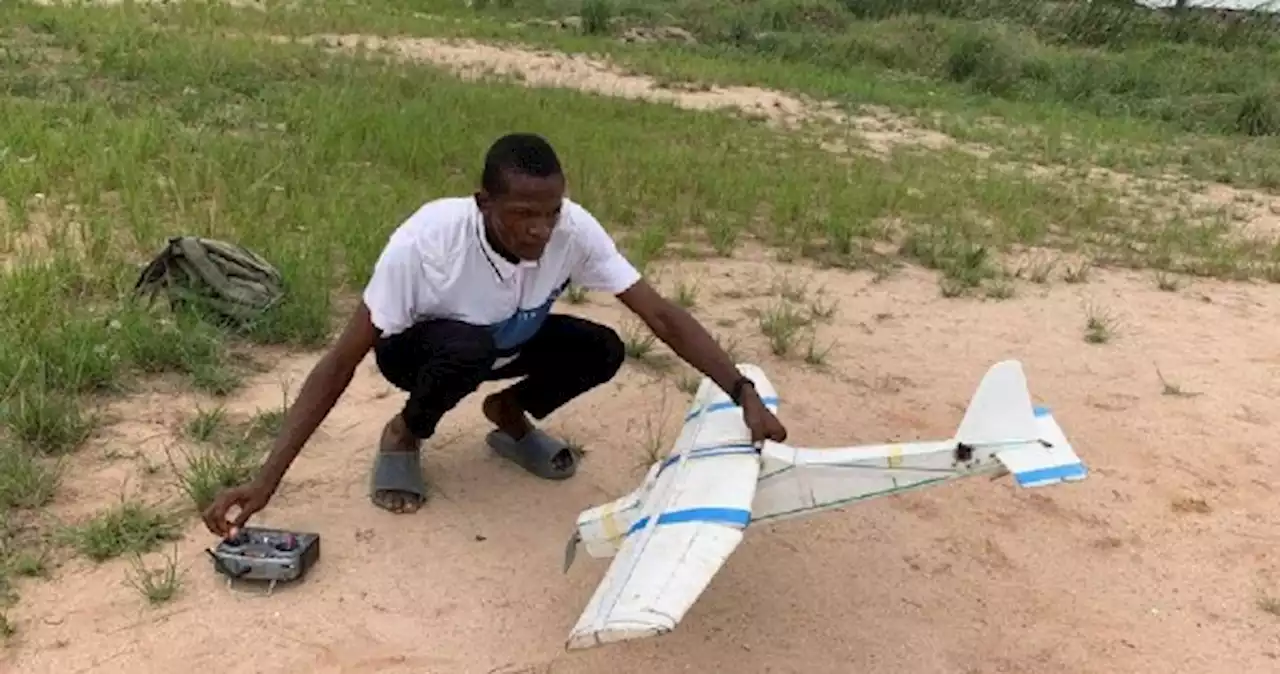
(439, 362)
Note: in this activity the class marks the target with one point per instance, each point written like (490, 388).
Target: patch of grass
(638, 341)
(206, 424)
(128, 528)
(48, 422)
(27, 480)
(228, 453)
(595, 16)
(208, 470)
(27, 564)
(964, 263)
(157, 585)
(781, 323)
(686, 294)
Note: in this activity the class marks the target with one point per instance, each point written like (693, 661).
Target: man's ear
(483, 200)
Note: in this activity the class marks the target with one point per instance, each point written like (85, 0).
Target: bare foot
(502, 409)
(396, 438)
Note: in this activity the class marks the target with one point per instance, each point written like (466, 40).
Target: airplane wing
(671, 536)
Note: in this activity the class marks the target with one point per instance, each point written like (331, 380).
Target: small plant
(820, 311)
(686, 295)
(157, 585)
(1191, 504)
(815, 356)
(638, 342)
(789, 291)
(780, 324)
(999, 289)
(1170, 389)
(28, 564)
(654, 444)
(1099, 326)
(688, 383)
(595, 16)
(730, 346)
(1078, 273)
(27, 480)
(1039, 270)
(576, 294)
(1167, 281)
(48, 421)
(209, 470)
(206, 424)
(576, 448)
(1269, 605)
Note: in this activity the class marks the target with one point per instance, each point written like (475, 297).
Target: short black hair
(525, 153)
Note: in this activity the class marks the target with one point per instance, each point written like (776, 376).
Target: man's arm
(388, 306)
(685, 335)
(320, 392)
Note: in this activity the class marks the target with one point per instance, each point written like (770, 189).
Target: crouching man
(462, 294)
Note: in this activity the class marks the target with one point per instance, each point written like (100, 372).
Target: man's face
(524, 216)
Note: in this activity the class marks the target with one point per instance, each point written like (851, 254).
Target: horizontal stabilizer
(1052, 461)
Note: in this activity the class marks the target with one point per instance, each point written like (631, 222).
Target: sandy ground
(1158, 563)
(1126, 572)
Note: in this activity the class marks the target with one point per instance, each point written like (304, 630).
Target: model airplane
(670, 536)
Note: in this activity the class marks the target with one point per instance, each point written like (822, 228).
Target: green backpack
(219, 277)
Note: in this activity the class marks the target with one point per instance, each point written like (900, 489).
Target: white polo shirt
(438, 264)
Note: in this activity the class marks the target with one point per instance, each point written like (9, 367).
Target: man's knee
(437, 350)
(610, 352)
(459, 350)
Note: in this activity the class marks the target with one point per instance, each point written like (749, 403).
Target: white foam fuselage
(672, 534)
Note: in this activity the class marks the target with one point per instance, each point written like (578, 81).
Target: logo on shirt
(524, 323)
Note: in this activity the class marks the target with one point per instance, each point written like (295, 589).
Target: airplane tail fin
(1026, 439)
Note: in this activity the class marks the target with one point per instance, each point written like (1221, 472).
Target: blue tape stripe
(716, 407)
(718, 450)
(1041, 411)
(1056, 473)
(734, 516)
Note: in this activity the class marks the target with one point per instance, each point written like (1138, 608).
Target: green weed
(130, 527)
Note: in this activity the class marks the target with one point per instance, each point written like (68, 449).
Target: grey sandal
(534, 453)
(399, 471)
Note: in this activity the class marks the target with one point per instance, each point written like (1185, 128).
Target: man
(461, 294)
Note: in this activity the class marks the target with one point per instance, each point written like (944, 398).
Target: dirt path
(874, 131)
(1156, 564)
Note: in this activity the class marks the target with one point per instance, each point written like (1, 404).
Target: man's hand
(250, 498)
(763, 424)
